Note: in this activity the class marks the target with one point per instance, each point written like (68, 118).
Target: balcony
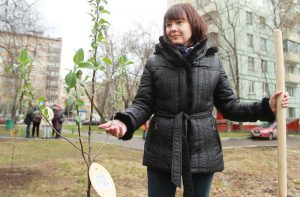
(291, 57)
(292, 78)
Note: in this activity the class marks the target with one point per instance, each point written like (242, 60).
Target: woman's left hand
(284, 101)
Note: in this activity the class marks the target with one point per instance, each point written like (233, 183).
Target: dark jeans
(28, 130)
(160, 185)
(36, 125)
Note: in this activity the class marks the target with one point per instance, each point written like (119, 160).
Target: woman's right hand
(114, 127)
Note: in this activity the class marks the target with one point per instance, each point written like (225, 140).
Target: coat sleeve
(231, 108)
(142, 106)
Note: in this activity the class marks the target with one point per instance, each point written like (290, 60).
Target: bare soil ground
(54, 168)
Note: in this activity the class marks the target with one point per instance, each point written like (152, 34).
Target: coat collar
(171, 53)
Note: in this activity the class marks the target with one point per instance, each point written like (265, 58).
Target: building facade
(243, 31)
(45, 73)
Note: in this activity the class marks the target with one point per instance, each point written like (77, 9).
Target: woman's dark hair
(187, 11)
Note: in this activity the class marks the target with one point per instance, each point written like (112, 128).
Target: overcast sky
(69, 20)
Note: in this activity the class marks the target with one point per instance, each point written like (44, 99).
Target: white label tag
(102, 181)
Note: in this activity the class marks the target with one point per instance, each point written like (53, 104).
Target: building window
(264, 66)
(265, 88)
(251, 64)
(249, 18)
(291, 112)
(262, 22)
(251, 86)
(289, 69)
(290, 90)
(263, 44)
(250, 40)
(291, 46)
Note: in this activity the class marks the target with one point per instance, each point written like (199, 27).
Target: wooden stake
(280, 116)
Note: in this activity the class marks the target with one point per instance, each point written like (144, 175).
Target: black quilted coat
(181, 93)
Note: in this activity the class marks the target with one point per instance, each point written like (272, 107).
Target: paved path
(138, 142)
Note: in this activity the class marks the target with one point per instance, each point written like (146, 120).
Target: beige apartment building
(45, 73)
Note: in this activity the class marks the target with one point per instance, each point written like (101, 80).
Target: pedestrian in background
(27, 121)
(181, 84)
(36, 120)
(57, 120)
(46, 125)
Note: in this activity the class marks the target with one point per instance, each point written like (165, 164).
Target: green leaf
(130, 62)
(79, 102)
(101, 8)
(68, 89)
(9, 68)
(41, 99)
(101, 37)
(105, 12)
(23, 58)
(86, 65)
(94, 45)
(45, 113)
(43, 107)
(79, 56)
(77, 119)
(78, 74)
(103, 22)
(70, 79)
(122, 59)
(86, 78)
(107, 60)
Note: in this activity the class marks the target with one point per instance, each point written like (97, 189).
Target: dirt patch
(16, 177)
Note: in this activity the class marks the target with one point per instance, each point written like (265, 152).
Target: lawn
(54, 168)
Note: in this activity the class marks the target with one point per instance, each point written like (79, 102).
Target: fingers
(105, 125)
(276, 94)
(285, 100)
(114, 128)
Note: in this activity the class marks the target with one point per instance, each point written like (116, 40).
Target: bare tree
(285, 15)
(138, 45)
(225, 18)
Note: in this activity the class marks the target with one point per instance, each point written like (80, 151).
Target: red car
(266, 130)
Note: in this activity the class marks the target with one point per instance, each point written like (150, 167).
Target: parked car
(2, 120)
(265, 130)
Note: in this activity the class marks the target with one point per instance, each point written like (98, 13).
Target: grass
(138, 133)
(54, 168)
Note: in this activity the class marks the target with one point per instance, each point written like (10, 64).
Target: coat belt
(180, 152)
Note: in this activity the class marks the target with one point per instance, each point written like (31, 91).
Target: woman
(46, 121)
(180, 85)
(57, 120)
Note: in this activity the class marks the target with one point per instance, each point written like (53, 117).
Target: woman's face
(179, 32)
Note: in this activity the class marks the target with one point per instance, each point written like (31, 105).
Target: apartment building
(45, 73)
(243, 31)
